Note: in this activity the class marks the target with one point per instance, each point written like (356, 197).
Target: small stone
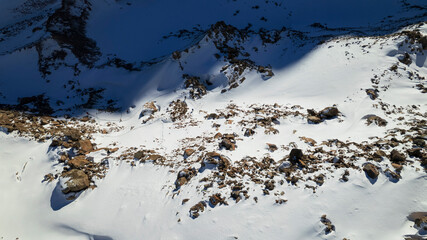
(188, 152)
(272, 147)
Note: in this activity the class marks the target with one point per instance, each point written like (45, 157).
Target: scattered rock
(184, 176)
(420, 220)
(177, 110)
(249, 132)
(196, 209)
(228, 142)
(372, 93)
(375, 119)
(371, 170)
(77, 181)
(217, 199)
(406, 59)
(272, 147)
(328, 224)
(139, 155)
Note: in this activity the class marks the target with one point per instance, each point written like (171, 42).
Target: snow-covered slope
(213, 119)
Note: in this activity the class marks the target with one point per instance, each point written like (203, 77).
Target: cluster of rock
(325, 114)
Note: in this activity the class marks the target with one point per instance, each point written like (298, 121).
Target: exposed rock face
(78, 180)
(148, 111)
(371, 170)
(197, 89)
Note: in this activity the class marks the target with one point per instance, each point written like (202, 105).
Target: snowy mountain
(227, 119)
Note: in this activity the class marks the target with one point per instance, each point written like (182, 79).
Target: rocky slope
(230, 120)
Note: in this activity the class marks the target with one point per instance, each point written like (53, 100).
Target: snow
(140, 202)
(135, 203)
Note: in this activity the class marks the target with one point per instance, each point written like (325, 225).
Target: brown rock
(396, 166)
(272, 147)
(78, 180)
(371, 170)
(373, 119)
(329, 113)
(314, 119)
(188, 152)
(155, 157)
(295, 155)
(249, 132)
(85, 146)
(415, 152)
(372, 93)
(397, 157)
(139, 155)
(196, 209)
(227, 144)
(78, 161)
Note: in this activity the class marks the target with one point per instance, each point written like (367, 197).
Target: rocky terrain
(233, 120)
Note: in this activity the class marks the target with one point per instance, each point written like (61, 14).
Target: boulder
(329, 113)
(374, 119)
(227, 144)
(397, 157)
(78, 161)
(75, 181)
(295, 155)
(314, 119)
(85, 146)
(371, 170)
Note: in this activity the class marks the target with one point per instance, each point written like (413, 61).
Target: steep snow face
(71, 49)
